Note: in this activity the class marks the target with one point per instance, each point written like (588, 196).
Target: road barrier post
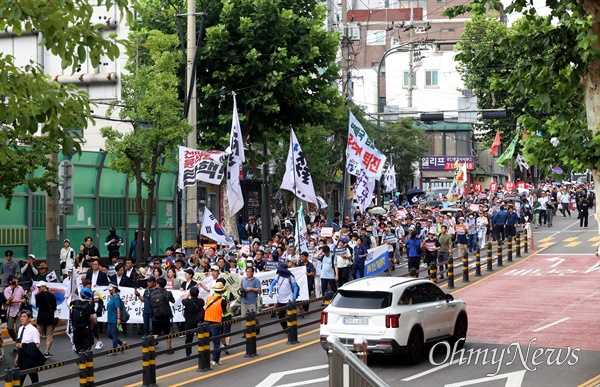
(145, 361)
(206, 342)
(89, 365)
(518, 240)
(451, 274)
(16, 376)
(248, 335)
(525, 240)
(489, 257)
(499, 253)
(465, 267)
(509, 250)
(254, 332)
(292, 322)
(433, 272)
(152, 361)
(328, 297)
(360, 347)
(478, 262)
(82, 370)
(202, 364)
(8, 377)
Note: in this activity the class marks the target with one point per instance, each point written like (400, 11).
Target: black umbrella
(414, 192)
(434, 203)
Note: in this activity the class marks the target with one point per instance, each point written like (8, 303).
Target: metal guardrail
(347, 369)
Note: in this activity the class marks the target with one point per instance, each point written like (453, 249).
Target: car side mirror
(449, 297)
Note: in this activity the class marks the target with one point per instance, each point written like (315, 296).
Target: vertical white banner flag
(363, 190)
(236, 159)
(361, 152)
(301, 232)
(213, 230)
(521, 162)
(390, 179)
(297, 178)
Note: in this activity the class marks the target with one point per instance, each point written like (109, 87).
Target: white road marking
(593, 268)
(274, 377)
(513, 379)
(558, 260)
(432, 370)
(306, 382)
(549, 325)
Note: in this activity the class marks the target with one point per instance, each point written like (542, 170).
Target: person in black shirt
(89, 252)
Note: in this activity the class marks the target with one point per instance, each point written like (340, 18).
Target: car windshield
(362, 300)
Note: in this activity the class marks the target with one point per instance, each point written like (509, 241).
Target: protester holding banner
(286, 286)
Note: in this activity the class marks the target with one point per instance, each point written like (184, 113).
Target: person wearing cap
(67, 282)
(461, 231)
(45, 301)
(28, 344)
(431, 247)
(9, 267)
(216, 305)
(145, 298)
(15, 298)
(207, 283)
(28, 272)
(83, 338)
(287, 290)
(113, 316)
(275, 223)
(42, 274)
(67, 257)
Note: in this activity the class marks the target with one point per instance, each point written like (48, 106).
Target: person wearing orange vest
(216, 305)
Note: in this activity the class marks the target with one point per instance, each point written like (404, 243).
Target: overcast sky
(540, 6)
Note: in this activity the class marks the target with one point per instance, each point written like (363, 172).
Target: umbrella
(434, 203)
(414, 192)
(556, 183)
(449, 210)
(378, 211)
(513, 199)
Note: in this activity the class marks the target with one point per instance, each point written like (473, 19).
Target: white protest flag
(390, 179)
(297, 178)
(301, 232)
(521, 162)
(363, 190)
(361, 152)
(207, 166)
(236, 158)
(213, 230)
(322, 202)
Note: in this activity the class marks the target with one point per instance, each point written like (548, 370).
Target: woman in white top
(67, 257)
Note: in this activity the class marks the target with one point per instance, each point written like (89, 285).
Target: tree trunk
(139, 258)
(149, 215)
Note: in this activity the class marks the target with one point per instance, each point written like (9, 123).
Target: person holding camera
(15, 296)
(28, 272)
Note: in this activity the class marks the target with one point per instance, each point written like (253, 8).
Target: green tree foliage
(151, 105)
(404, 143)
(557, 69)
(23, 164)
(278, 58)
(30, 100)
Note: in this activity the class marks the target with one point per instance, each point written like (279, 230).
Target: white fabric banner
(363, 190)
(361, 152)
(266, 277)
(302, 232)
(213, 230)
(322, 202)
(207, 166)
(390, 179)
(297, 178)
(234, 166)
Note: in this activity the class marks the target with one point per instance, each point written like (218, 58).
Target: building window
(376, 37)
(431, 78)
(405, 79)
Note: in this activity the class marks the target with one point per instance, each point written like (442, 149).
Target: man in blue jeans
(151, 281)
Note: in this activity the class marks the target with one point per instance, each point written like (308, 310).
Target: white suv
(395, 315)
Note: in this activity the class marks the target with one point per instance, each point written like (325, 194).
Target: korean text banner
(361, 152)
(206, 166)
(377, 261)
(266, 277)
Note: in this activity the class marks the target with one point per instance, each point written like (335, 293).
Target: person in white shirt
(28, 345)
(67, 257)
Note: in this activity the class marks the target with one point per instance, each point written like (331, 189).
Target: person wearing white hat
(67, 257)
(45, 301)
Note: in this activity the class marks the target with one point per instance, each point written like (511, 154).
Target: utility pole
(346, 76)
(190, 227)
(410, 57)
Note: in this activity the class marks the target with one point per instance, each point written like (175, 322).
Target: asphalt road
(279, 364)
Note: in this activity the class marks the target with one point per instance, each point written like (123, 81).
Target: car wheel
(460, 331)
(414, 347)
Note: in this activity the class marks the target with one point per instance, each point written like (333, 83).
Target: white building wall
(26, 48)
(365, 89)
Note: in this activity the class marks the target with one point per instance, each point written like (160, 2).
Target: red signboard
(521, 184)
(509, 186)
(493, 186)
(450, 166)
(477, 187)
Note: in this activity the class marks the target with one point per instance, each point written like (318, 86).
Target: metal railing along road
(347, 369)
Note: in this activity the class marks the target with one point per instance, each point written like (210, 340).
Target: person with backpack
(46, 304)
(216, 305)
(114, 310)
(161, 311)
(83, 319)
(147, 314)
(193, 313)
(287, 288)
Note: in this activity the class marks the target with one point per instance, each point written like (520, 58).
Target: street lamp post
(400, 48)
